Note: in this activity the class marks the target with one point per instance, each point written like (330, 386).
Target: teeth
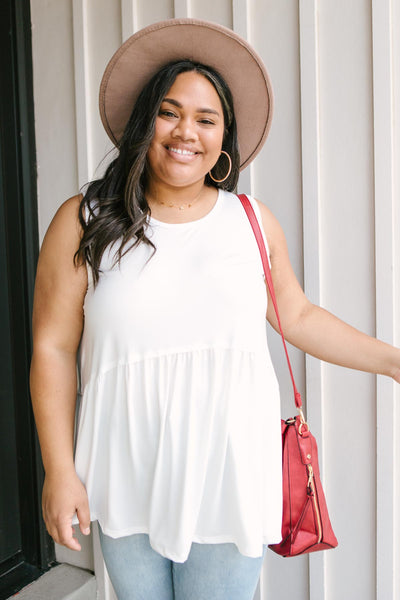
(179, 151)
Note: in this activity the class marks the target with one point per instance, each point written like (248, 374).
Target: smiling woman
(155, 276)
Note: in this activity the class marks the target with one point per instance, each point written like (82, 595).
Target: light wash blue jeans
(211, 572)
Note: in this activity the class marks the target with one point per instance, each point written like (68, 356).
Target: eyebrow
(200, 110)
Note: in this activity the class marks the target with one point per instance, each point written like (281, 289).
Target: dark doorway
(26, 550)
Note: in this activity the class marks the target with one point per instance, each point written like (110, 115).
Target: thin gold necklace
(179, 206)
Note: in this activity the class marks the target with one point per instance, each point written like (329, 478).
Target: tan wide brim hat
(145, 52)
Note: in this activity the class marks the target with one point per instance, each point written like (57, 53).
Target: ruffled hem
(252, 550)
(188, 444)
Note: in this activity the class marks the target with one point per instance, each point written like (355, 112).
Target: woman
(155, 276)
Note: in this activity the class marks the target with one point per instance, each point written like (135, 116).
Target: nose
(185, 130)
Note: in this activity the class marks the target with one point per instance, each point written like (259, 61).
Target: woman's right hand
(64, 495)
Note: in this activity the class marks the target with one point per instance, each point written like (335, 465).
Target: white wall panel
(275, 35)
(104, 33)
(274, 30)
(312, 238)
(220, 12)
(396, 227)
(384, 259)
(347, 272)
(323, 172)
(156, 10)
(55, 117)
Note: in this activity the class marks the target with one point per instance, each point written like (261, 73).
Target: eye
(206, 122)
(167, 113)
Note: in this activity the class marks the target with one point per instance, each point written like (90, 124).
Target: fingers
(62, 533)
(83, 514)
(66, 537)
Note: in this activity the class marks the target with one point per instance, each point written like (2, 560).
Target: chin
(184, 180)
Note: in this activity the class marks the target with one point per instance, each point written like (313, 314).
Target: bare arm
(315, 330)
(57, 327)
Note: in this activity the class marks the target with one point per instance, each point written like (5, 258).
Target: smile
(182, 152)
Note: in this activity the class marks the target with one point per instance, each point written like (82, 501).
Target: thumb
(83, 515)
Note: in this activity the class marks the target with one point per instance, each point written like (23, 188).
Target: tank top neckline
(211, 213)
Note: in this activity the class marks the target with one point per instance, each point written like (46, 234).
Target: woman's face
(188, 133)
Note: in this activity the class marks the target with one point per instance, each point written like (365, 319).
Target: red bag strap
(267, 272)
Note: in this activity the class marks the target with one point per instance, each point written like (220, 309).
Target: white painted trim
(129, 18)
(182, 9)
(310, 147)
(241, 20)
(310, 140)
(385, 290)
(241, 26)
(82, 91)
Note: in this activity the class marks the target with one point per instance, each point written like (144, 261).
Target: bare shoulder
(65, 226)
(56, 266)
(287, 289)
(272, 228)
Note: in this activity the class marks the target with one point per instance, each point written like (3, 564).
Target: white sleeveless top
(179, 427)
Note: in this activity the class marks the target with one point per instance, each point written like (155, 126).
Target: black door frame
(19, 203)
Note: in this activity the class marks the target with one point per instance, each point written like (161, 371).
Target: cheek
(155, 147)
(219, 136)
(151, 155)
(215, 143)
(162, 129)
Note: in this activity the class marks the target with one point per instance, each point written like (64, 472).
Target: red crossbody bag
(306, 526)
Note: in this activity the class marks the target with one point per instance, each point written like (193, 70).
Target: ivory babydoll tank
(179, 425)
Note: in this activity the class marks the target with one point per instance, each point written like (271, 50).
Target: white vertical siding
(330, 172)
(104, 34)
(54, 97)
(396, 228)
(385, 200)
(347, 273)
(312, 235)
(83, 90)
(277, 171)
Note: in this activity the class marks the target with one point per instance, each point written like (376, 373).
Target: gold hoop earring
(229, 169)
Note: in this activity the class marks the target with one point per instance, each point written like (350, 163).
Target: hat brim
(145, 52)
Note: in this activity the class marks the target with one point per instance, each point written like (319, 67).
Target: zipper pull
(310, 487)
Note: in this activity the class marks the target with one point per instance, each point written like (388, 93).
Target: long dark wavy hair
(114, 210)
